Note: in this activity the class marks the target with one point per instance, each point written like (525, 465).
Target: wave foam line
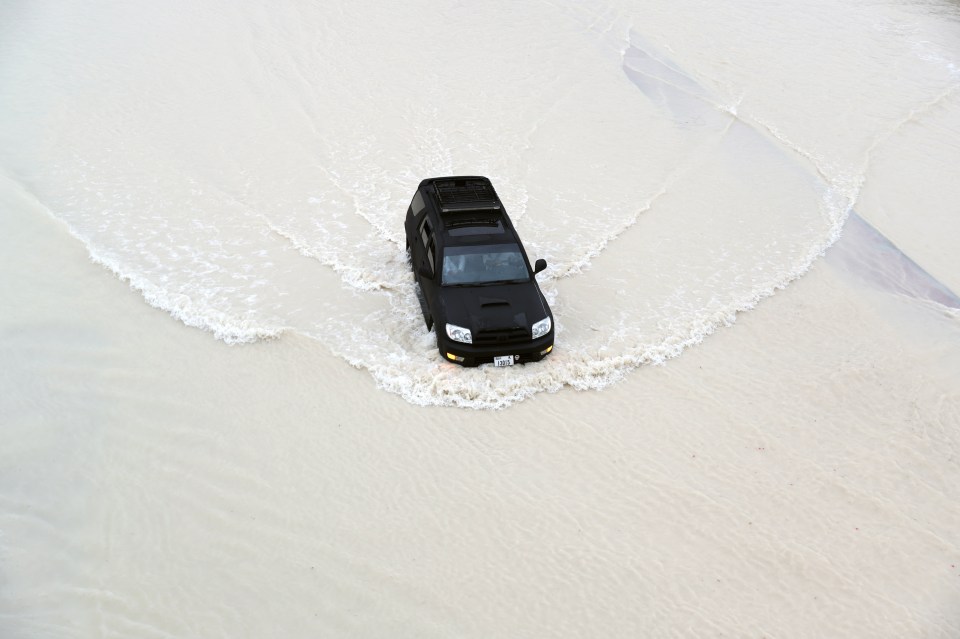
(225, 327)
(436, 385)
(351, 276)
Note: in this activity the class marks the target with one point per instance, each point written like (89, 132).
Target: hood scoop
(493, 301)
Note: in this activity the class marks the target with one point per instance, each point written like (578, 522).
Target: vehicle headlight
(459, 334)
(542, 327)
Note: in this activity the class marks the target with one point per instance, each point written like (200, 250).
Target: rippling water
(247, 168)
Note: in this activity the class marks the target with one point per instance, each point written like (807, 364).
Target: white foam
(228, 328)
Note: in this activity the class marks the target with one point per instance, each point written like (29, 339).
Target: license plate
(504, 360)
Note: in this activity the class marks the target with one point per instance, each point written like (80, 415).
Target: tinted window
(484, 264)
(417, 205)
(426, 232)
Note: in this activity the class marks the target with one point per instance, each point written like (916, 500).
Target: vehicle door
(424, 255)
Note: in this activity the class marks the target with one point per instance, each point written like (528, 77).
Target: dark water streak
(862, 250)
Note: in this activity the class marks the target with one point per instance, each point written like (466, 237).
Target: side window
(417, 206)
(429, 242)
(426, 231)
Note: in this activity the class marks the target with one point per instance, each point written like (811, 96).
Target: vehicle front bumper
(473, 355)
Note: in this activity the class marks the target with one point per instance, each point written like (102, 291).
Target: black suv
(475, 280)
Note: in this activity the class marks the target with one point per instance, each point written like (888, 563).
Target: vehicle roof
(466, 194)
(466, 206)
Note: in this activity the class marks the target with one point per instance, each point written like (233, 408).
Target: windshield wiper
(521, 281)
(490, 283)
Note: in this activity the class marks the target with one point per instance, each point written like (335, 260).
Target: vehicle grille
(491, 337)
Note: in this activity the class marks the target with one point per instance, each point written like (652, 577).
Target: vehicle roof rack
(466, 195)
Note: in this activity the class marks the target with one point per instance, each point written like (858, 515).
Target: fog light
(454, 358)
(546, 350)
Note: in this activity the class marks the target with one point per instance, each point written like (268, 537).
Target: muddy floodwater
(222, 414)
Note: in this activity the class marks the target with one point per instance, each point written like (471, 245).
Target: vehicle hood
(493, 307)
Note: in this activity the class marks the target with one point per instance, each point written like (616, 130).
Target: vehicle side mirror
(541, 265)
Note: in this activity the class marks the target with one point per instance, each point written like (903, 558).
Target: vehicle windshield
(484, 264)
